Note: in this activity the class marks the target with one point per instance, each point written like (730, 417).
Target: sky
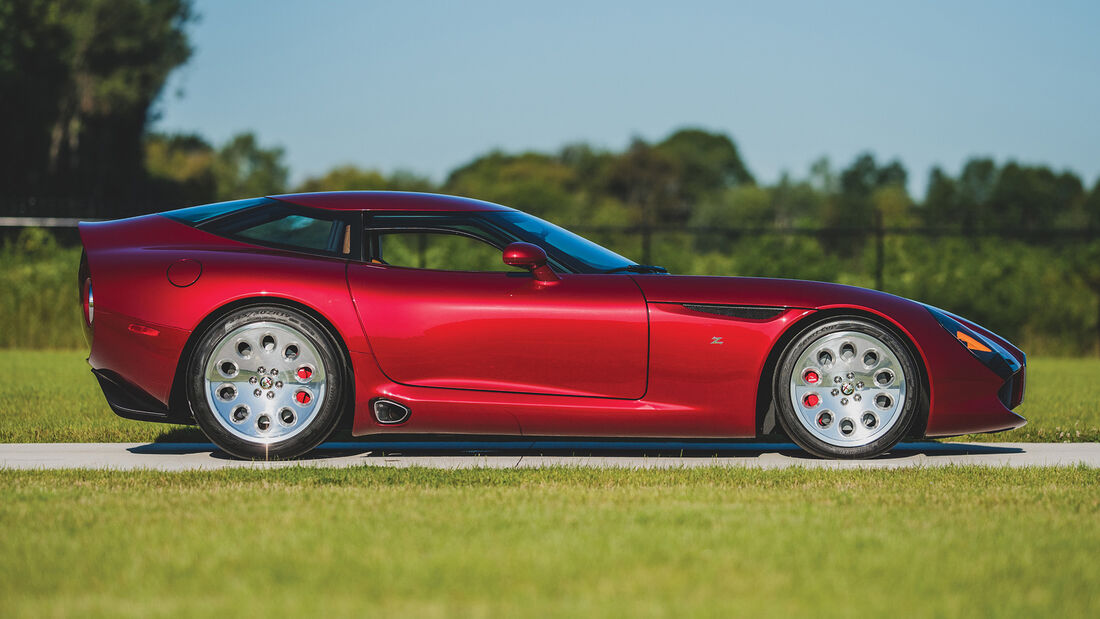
(428, 86)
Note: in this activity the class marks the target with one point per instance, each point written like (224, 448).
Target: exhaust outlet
(389, 412)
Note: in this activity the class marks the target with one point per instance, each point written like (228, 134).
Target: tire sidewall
(320, 426)
(788, 416)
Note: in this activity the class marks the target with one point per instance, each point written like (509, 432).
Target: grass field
(554, 542)
(67, 406)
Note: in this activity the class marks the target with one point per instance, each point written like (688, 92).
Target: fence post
(880, 251)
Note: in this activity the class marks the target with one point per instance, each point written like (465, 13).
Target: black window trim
(371, 244)
(352, 219)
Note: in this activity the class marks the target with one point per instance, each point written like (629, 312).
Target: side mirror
(530, 257)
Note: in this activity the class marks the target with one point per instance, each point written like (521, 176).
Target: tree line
(1010, 244)
(80, 80)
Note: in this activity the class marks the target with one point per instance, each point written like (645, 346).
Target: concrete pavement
(532, 454)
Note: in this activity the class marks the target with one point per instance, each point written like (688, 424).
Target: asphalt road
(530, 454)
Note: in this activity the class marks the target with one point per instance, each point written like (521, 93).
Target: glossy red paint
(184, 272)
(531, 257)
(584, 336)
(503, 353)
(127, 261)
(962, 391)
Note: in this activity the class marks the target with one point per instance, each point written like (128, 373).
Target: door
(497, 329)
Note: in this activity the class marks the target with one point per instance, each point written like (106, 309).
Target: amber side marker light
(972, 343)
(143, 330)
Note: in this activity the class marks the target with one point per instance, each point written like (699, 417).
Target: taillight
(88, 302)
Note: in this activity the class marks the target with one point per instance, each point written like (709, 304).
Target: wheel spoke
(862, 388)
(265, 382)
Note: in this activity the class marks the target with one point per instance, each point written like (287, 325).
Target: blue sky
(426, 86)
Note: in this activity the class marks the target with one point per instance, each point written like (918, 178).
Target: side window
(296, 230)
(286, 227)
(438, 250)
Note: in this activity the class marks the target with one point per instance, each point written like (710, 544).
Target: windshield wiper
(638, 268)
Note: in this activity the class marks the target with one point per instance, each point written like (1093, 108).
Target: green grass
(51, 396)
(59, 401)
(554, 542)
(39, 307)
(1061, 404)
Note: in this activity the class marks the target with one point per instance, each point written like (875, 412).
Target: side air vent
(389, 412)
(737, 311)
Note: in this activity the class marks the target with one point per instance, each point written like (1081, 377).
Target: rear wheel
(847, 388)
(266, 382)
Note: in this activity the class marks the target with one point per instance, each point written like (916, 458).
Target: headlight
(992, 354)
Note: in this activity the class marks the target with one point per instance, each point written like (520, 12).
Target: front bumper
(979, 377)
(1012, 393)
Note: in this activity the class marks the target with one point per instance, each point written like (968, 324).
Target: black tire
(790, 419)
(323, 418)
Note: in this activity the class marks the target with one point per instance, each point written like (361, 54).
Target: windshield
(559, 242)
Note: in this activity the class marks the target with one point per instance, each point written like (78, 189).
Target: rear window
(298, 230)
(198, 214)
(285, 226)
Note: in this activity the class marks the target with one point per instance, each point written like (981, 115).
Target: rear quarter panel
(142, 320)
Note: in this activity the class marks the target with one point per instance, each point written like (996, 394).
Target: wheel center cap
(847, 389)
(266, 382)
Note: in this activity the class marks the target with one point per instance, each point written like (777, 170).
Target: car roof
(387, 201)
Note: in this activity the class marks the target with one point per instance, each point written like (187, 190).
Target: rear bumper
(130, 402)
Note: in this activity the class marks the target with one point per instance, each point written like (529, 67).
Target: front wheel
(847, 389)
(266, 382)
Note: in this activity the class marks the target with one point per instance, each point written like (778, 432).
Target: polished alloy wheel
(265, 382)
(848, 388)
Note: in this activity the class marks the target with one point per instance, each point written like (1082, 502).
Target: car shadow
(576, 448)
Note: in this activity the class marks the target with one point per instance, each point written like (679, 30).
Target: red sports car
(270, 322)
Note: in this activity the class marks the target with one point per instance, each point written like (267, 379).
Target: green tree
(1085, 261)
(867, 192)
(797, 203)
(858, 182)
(645, 179)
(940, 208)
(352, 178)
(1091, 207)
(180, 170)
(87, 73)
(747, 206)
(1028, 197)
(975, 189)
(244, 169)
(535, 182)
(705, 163)
(590, 168)
(344, 178)
(893, 204)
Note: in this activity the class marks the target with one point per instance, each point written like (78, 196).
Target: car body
(557, 348)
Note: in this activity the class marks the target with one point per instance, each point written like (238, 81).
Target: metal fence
(643, 241)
